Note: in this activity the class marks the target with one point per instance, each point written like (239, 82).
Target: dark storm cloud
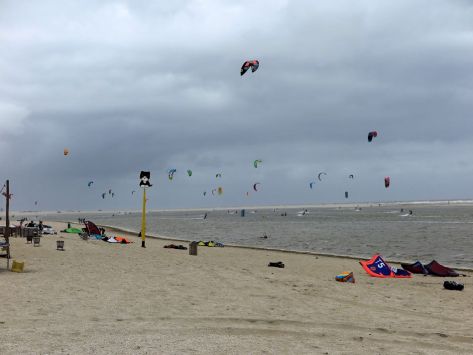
(135, 85)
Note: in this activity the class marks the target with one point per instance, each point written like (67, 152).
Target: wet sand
(103, 298)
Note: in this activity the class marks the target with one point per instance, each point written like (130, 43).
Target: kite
(256, 162)
(66, 151)
(319, 176)
(346, 194)
(36, 202)
(220, 191)
(311, 184)
(371, 135)
(113, 194)
(213, 192)
(387, 181)
(218, 175)
(254, 186)
(253, 64)
(103, 195)
(189, 172)
(90, 183)
(171, 173)
(133, 192)
(351, 176)
(204, 193)
(110, 191)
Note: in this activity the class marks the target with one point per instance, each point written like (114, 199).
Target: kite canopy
(171, 173)
(387, 181)
(320, 176)
(371, 135)
(189, 172)
(218, 175)
(311, 184)
(255, 186)
(66, 151)
(256, 162)
(346, 194)
(351, 176)
(377, 267)
(437, 269)
(90, 183)
(416, 268)
(253, 64)
(220, 190)
(103, 195)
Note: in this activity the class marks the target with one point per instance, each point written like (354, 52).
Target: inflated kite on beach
(377, 267)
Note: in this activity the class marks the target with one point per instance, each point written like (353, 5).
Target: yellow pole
(143, 219)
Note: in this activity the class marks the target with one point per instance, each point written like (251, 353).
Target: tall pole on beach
(144, 183)
(7, 211)
(143, 220)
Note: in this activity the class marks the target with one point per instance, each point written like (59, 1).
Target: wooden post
(7, 216)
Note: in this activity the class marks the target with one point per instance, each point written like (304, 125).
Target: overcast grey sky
(152, 85)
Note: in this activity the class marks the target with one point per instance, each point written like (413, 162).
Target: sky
(148, 85)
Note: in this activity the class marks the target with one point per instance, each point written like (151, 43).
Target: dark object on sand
(279, 264)
(434, 268)
(193, 248)
(173, 246)
(452, 285)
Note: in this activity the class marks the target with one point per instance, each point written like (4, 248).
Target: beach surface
(102, 298)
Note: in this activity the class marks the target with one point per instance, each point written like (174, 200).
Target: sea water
(441, 232)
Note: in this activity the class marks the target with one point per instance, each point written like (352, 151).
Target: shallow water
(441, 232)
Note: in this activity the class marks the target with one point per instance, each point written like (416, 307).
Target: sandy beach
(103, 298)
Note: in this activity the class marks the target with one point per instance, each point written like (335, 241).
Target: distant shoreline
(262, 207)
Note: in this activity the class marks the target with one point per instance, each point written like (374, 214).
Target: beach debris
(346, 276)
(174, 246)
(377, 267)
(253, 64)
(255, 186)
(279, 264)
(452, 285)
(60, 245)
(256, 162)
(371, 135)
(320, 175)
(387, 181)
(18, 266)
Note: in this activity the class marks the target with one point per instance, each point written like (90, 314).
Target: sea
(434, 231)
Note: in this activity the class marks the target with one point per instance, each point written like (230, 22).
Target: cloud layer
(141, 85)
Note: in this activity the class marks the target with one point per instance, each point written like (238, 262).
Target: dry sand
(103, 298)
